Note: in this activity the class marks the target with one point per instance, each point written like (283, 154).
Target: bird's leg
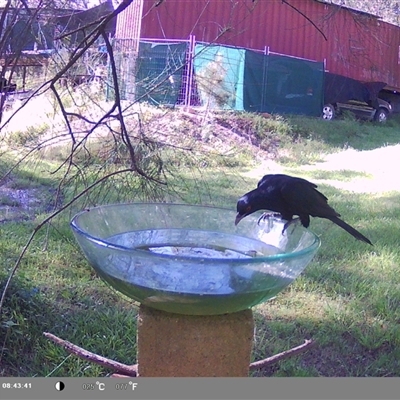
(291, 222)
(268, 215)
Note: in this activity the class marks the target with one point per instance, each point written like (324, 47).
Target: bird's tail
(350, 229)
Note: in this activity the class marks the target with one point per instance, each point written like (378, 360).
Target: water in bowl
(200, 267)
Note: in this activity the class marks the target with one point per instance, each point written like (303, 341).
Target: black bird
(289, 196)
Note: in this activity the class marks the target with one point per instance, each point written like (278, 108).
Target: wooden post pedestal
(174, 345)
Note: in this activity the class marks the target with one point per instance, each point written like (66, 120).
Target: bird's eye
(248, 209)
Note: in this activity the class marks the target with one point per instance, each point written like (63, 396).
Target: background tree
(388, 10)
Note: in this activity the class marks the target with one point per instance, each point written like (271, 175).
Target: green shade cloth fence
(224, 77)
(282, 84)
(159, 72)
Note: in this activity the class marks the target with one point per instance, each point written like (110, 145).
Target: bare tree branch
(307, 18)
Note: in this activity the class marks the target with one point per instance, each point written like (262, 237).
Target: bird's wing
(271, 179)
(303, 198)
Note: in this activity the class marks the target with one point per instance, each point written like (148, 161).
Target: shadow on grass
(339, 350)
(355, 287)
(109, 329)
(347, 299)
(106, 325)
(101, 321)
(361, 339)
(356, 329)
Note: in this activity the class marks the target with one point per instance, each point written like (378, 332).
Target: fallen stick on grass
(129, 370)
(124, 370)
(281, 356)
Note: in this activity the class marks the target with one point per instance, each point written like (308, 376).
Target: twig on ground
(126, 370)
(281, 356)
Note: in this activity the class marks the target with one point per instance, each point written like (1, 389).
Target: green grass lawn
(347, 299)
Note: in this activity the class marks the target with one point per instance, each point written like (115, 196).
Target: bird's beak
(239, 217)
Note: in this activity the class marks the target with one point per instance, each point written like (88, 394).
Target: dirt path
(382, 166)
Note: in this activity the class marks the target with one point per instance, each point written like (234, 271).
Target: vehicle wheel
(381, 115)
(328, 112)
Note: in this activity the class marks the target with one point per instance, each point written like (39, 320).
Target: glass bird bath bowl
(189, 259)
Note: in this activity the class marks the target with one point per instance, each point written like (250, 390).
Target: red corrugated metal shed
(358, 45)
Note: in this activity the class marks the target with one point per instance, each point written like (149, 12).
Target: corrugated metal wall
(129, 25)
(358, 45)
